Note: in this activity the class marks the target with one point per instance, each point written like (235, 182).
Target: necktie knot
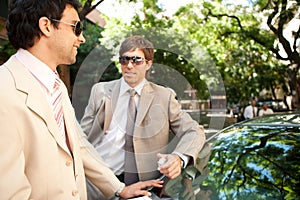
(132, 92)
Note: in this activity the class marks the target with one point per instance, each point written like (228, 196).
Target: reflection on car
(276, 105)
(254, 159)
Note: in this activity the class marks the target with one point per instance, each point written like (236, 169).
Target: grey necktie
(130, 174)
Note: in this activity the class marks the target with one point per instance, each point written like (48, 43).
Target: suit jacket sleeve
(90, 110)
(190, 133)
(14, 184)
(92, 122)
(95, 169)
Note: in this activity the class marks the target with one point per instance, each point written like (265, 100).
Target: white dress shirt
(111, 147)
(248, 113)
(42, 73)
(263, 112)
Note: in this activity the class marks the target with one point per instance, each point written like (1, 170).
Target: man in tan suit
(44, 156)
(158, 112)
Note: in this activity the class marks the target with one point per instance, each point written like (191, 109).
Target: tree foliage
(88, 6)
(282, 15)
(174, 52)
(245, 44)
(230, 36)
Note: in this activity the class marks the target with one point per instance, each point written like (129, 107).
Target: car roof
(286, 119)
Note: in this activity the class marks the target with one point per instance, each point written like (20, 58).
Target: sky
(125, 11)
(170, 5)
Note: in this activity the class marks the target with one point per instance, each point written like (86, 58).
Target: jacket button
(68, 163)
(74, 192)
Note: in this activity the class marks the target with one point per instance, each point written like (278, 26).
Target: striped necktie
(57, 106)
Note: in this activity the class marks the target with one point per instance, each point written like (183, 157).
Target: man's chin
(72, 61)
(131, 82)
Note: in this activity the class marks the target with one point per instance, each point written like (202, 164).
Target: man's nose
(82, 38)
(130, 64)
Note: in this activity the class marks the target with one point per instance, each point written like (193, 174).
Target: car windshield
(252, 162)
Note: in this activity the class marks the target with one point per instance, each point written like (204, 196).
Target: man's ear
(45, 26)
(149, 64)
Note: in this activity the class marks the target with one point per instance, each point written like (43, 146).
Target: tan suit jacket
(35, 163)
(158, 112)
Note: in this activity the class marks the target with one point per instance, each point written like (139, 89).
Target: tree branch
(226, 15)
(87, 8)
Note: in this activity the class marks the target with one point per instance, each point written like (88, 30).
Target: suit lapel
(69, 118)
(112, 95)
(145, 102)
(36, 100)
(108, 113)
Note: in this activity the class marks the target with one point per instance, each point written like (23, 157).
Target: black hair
(23, 19)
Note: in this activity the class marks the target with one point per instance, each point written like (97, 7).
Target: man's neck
(43, 56)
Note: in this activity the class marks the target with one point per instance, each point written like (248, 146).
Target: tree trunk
(64, 73)
(292, 80)
(88, 7)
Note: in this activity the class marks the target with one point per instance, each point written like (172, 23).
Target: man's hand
(139, 188)
(172, 166)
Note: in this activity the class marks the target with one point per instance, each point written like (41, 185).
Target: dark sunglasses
(78, 27)
(136, 60)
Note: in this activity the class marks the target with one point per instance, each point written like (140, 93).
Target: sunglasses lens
(124, 60)
(78, 28)
(136, 60)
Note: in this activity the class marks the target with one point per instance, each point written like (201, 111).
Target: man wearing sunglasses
(106, 117)
(44, 153)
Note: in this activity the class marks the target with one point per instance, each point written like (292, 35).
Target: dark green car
(258, 159)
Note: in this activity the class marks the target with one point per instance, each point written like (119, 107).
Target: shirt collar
(125, 87)
(37, 68)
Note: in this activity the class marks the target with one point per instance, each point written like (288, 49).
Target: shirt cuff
(118, 192)
(185, 159)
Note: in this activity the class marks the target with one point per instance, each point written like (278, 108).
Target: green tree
(6, 50)
(246, 66)
(173, 50)
(280, 15)
(242, 47)
(88, 6)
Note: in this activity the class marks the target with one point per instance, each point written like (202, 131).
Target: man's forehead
(70, 13)
(137, 50)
